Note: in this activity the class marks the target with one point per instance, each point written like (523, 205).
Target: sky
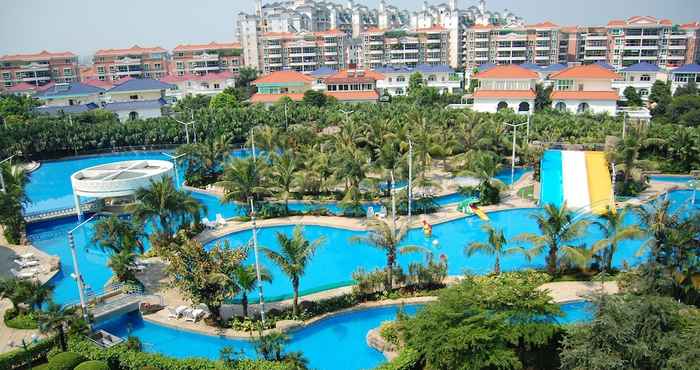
(83, 26)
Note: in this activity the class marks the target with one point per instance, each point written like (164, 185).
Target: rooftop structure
(136, 61)
(201, 59)
(38, 69)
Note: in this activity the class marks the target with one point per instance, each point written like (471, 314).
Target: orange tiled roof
(36, 56)
(691, 26)
(329, 33)
(513, 71)
(283, 77)
(639, 19)
(210, 46)
(273, 98)
(482, 27)
(584, 95)
(570, 29)
(374, 30)
(278, 34)
(353, 95)
(543, 25)
(514, 94)
(132, 50)
(431, 29)
(593, 71)
(343, 74)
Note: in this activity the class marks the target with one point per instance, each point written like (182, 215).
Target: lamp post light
(410, 179)
(347, 114)
(257, 263)
(2, 179)
(76, 268)
(187, 124)
(512, 161)
(174, 159)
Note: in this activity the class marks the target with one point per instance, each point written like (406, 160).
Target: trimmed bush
(65, 361)
(149, 368)
(19, 358)
(92, 365)
(20, 321)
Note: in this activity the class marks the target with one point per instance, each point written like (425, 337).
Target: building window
(502, 105)
(134, 97)
(561, 106)
(401, 79)
(133, 116)
(157, 66)
(645, 78)
(101, 78)
(179, 65)
(565, 85)
(101, 70)
(583, 107)
(6, 76)
(524, 107)
(217, 86)
(67, 72)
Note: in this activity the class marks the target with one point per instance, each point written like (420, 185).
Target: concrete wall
(143, 114)
(491, 105)
(595, 106)
(142, 95)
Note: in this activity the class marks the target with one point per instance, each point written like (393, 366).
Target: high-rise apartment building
(138, 62)
(303, 52)
(422, 46)
(202, 59)
(38, 69)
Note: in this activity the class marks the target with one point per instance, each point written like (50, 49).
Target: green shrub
(149, 368)
(19, 358)
(389, 331)
(92, 365)
(41, 367)
(20, 321)
(65, 361)
(408, 359)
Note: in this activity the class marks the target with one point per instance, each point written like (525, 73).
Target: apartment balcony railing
(677, 47)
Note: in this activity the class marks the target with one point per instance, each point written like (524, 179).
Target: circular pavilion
(117, 179)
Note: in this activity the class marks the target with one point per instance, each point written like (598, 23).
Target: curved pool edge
(244, 335)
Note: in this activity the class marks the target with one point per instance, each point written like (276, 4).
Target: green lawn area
(526, 192)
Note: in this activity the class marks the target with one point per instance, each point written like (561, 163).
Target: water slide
(579, 178)
(575, 178)
(599, 182)
(551, 189)
(479, 212)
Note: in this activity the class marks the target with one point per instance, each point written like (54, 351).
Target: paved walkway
(11, 338)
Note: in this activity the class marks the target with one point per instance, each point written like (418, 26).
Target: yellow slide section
(599, 183)
(479, 213)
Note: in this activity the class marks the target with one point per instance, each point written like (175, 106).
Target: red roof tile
(374, 30)
(345, 74)
(278, 34)
(283, 77)
(505, 94)
(354, 95)
(21, 87)
(513, 71)
(432, 29)
(584, 95)
(37, 56)
(210, 46)
(482, 27)
(691, 26)
(132, 50)
(592, 71)
(329, 33)
(543, 25)
(273, 98)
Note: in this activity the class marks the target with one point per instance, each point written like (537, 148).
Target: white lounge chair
(24, 263)
(195, 315)
(27, 256)
(172, 314)
(180, 310)
(208, 224)
(382, 213)
(370, 212)
(220, 220)
(24, 274)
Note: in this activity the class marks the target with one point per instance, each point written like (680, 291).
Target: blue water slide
(551, 180)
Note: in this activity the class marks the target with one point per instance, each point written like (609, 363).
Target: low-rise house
(207, 84)
(683, 74)
(441, 77)
(641, 77)
(276, 85)
(503, 87)
(137, 98)
(585, 88)
(68, 94)
(353, 86)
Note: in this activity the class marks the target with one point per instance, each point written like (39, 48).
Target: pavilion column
(79, 211)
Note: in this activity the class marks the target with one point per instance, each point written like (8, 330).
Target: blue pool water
(667, 178)
(320, 342)
(552, 186)
(504, 174)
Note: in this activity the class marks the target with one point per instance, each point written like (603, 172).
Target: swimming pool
(681, 179)
(320, 342)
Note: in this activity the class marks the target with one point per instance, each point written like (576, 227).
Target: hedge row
(120, 357)
(20, 358)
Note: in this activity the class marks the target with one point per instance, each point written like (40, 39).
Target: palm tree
(383, 236)
(496, 246)
(165, 206)
(282, 174)
(557, 227)
(294, 256)
(122, 264)
(246, 279)
(11, 201)
(611, 223)
(17, 292)
(243, 179)
(54, 319)
(204, 159)
(115, 234)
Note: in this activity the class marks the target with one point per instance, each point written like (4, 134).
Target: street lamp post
(410, 179)
(624, 125)
(257, 263)
(286, 118)
(347, 114)
(2, 179)
(174, 159)
(512, 163)
(393, 203)
(76, 269)
(187, 124)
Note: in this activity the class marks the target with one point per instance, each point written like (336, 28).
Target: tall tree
(615, 230)
(294, 255)
(384, 237)
(55, 319)
(495, 246)
(242, 179)
(542, 97)
(632, 96)
(246, 279)
(558, 228)
(204, 160)
(12, 200)
(660, 97)
(165, 207)
(282, 175)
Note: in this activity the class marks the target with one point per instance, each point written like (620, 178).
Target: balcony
(204, 57)
(596, 47)
(206, 68)
(596, 37)
(677, 36)
(126, 61)
(594, 57)
(301, 55)
(36, 79)
(677, 47)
